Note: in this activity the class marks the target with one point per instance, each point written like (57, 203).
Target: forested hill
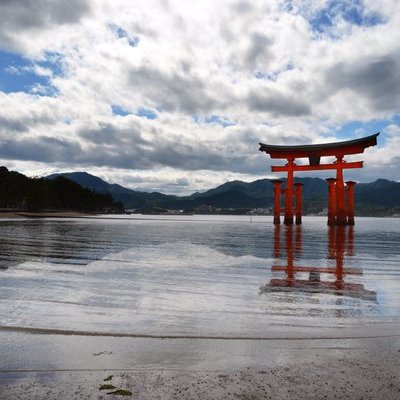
(19, 192)
(381, 197)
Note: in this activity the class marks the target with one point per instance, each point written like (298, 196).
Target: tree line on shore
(18, 192)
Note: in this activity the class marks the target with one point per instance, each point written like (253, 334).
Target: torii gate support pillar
(277, 201)
(341, 212)
(350, 202)
(288, 220)
(298, 191)
(331, 201)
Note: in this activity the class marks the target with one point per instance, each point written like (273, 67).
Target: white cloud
(254, 63)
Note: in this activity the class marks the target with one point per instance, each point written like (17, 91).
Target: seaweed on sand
(107, 386)
(121, 392)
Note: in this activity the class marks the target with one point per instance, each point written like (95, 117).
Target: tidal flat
(199, 307)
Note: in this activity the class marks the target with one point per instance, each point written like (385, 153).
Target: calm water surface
(199, 276)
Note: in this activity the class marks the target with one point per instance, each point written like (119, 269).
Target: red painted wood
(350, 202)
(277, 202)
(288, 220)
(341, 198)
(346, 165)
(298, 191)
(341, 213)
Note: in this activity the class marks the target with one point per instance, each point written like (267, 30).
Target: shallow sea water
(198, 276)
(186, 278)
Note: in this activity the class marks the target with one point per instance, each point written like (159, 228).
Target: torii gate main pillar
(298, 189)
(331, 201)
(289, 193)
(341, 213)
(350, 202)
(277, 201)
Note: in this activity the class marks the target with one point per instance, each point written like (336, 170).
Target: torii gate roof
(354, 146)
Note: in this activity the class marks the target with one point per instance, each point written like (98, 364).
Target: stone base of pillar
(298, 219)
(331, 220)
(288, 220)
(277, 220)
(341, 220)
(335, 221)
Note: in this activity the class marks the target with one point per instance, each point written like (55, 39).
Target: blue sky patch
(396, 119)
(272, 76)
(356, 129)
(352, 12)
(141, 112)
(348, 131)
(265, 75)
(53, 62)
(146, 113)
(121, 33)
(118, 110)
(326, 18)
(213, 119)
(17, 74)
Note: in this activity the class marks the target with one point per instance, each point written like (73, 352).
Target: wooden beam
(354, 146)
(347, 165)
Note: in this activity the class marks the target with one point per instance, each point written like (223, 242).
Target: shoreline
(82, 214)
(44, 214)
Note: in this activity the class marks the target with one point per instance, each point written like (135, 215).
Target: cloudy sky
(174, 95)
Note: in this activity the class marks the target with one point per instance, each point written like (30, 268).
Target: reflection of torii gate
(338, 212)
(340, 243)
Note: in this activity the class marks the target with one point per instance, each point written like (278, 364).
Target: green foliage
(121, 392)
(34, 194)
(107, 386)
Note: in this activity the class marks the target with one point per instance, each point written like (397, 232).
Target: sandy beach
(306, 369)
(369, 370)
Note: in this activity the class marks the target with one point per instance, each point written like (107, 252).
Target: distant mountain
(17, 191)
(130, 198)
(235, 194)
(381, 197)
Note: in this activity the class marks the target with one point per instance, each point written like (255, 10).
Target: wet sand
(306, 369)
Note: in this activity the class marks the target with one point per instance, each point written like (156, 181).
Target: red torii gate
(338, 212)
